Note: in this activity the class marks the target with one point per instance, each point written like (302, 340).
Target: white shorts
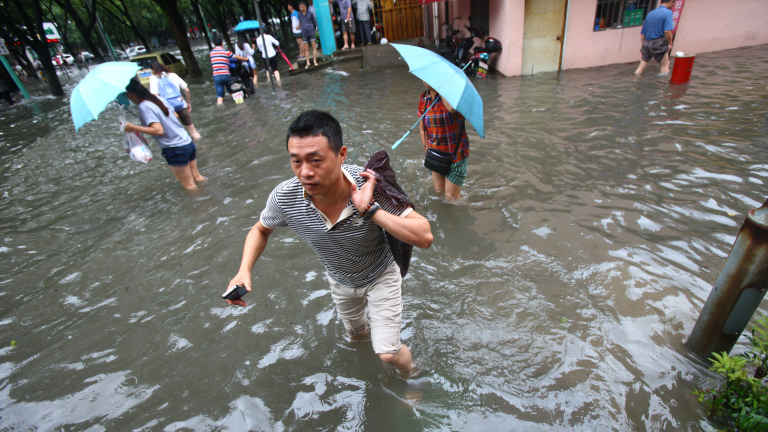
(383, 296)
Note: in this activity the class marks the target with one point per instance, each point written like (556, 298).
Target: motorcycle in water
(475, 64)
(240, 78)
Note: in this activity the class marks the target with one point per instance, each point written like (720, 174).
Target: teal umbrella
(247, 25)
(101, 86)
(448, 80)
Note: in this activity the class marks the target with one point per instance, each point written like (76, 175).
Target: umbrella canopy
(448, 80)
(100, 87)
(247, 25)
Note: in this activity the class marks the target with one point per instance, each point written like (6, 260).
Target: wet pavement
(597, 213)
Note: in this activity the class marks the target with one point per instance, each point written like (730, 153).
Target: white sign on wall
(3, 48)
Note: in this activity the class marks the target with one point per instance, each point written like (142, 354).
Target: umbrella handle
(394, 146)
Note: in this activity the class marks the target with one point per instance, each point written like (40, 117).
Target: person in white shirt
(159, 72)
(269, 54)
(242, 48)
(296, 28)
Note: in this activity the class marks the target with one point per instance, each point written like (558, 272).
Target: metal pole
(205, 24)
(13, 75)
(103, 34)
(264, 45)
(738, 290)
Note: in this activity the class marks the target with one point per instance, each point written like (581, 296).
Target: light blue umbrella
(247, 25)
(449, 81)
(101, 86)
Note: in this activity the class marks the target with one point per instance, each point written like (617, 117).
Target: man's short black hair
(317, 123)
(303, 2)
(216, 40)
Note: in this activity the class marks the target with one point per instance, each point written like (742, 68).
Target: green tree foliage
(740, 395)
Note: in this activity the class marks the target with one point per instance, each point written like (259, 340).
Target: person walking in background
(296, 29)
(364, 9)
(159, 121)
(308, 25)
(443, 129)
(220, 65)
(169, 86)
(335, 208)
(244, 49)
(347, 23)
(656, 37)
(269, 54)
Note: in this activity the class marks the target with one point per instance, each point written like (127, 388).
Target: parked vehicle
(475, 62)
(121, 55)
(168, 60)
(86, 56)
(65, 59)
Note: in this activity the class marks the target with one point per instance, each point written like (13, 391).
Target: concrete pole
(13, 75)
(738, 290)
(205, 24)
(103, 35)
(264, 45)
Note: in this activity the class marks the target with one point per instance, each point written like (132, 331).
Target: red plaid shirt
(444, 130)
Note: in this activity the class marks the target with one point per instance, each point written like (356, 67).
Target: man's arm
(189, 99)
(668, 35)
(413, 229)
(255, 244)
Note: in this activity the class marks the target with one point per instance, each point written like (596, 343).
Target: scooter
(240, 78)
(463, 46)
(479, 60)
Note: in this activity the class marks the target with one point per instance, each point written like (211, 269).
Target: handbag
(439, 161)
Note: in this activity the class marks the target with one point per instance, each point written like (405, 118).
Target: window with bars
(621, 13)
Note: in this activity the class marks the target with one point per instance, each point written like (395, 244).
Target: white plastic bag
(133, 143)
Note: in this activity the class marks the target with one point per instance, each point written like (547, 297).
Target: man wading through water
(334, 208)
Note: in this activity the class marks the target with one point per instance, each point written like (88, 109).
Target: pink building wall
(506, 24)
(705, 25)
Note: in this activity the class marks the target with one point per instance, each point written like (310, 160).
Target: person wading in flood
(656, 37)
(334, 208)
(443, 129)
(159, 120)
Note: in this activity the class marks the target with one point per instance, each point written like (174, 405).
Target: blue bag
(170, 92)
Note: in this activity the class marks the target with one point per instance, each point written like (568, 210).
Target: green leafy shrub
(740, 398)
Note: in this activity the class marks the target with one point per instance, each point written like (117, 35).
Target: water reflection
(598, 212)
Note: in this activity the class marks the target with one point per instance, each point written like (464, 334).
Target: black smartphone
(235, 293)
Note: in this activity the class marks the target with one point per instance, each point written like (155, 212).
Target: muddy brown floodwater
(598, 212)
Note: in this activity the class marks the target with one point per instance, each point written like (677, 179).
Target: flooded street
(598, 212)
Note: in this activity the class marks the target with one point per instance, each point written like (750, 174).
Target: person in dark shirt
(656, 37)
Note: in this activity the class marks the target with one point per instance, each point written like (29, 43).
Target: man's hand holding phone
(242, 279)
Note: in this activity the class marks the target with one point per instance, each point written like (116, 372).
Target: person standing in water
(160, 121)
(335, 209)
(443, 129)
(167, 84)
(269, 54)
(244, 49)
(656, 37)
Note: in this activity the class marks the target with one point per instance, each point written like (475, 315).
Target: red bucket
(681, 72)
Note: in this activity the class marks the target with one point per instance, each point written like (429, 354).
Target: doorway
(543, 35)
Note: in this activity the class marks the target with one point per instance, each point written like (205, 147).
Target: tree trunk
(133, 26)
(85, 30)
(221, 22)
(245, 7)
(171, 10)
(29, 34)
(201, 23)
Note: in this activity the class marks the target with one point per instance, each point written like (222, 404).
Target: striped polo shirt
(354, 251)
(220, 61)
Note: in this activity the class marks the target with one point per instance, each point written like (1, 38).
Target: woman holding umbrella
(443, 129)
(246, 50)
(160, 121)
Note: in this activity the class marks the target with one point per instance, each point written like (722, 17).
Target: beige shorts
(384, 299)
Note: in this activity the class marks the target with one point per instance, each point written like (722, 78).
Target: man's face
(303, 8)
(290, 8)
(314, 163)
